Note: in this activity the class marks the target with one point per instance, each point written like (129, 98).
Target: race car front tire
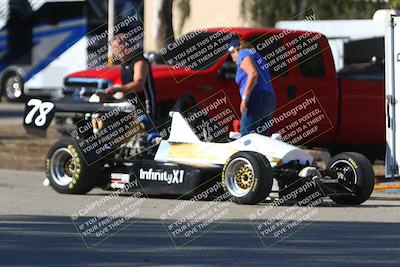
(356, 174)
(247, 177)
(67, 170)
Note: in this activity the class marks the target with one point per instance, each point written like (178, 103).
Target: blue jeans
(260, 108)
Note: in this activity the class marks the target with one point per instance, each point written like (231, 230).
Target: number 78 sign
(38, 116)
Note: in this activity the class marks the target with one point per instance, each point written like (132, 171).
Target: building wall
(203, 14)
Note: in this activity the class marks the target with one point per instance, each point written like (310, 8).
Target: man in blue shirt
(255, 87)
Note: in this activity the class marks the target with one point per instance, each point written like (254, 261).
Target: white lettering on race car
(176, 177)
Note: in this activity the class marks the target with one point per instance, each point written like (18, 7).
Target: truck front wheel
(12, 88)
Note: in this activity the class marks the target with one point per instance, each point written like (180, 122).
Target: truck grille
(84, 87)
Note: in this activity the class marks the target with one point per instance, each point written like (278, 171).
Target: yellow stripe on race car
(212, 153)
(204, 151)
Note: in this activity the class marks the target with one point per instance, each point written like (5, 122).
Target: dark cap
(233, 44)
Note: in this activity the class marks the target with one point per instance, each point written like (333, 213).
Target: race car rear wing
(39, 114)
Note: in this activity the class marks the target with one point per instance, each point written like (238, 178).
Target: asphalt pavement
(11, 113)
(41, 227)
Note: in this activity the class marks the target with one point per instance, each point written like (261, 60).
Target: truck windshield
(197, 50)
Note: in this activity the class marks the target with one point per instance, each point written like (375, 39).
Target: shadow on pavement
(53, 240)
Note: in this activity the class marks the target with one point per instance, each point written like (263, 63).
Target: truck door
(314, 72)
(305, 84)
(392, 92)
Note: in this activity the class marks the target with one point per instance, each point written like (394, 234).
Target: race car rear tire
(358, 175)
(247, 177)
(67, 170)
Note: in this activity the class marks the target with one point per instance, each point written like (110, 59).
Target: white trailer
(338, 32)
(392, 92)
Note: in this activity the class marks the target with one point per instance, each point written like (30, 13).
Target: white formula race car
(245, 168)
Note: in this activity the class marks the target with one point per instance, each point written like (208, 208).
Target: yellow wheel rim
(244, 177)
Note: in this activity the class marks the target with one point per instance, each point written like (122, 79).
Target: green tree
(395, 4)
(268, 12)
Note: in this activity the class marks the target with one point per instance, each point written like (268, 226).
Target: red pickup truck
(349, 105)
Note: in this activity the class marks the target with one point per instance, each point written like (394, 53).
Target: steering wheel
(185, 102)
